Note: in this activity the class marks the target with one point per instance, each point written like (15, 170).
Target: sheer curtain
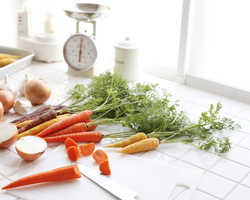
(219, 44)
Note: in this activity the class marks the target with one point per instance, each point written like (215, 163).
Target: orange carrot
(75, 128)
(90, 128)
(99, 155)
(143, 145)
(58, 174)
(89, 136)
(42, 118)
(73, 153)
(79, 117)
(69, 142)
(104, 167)
(87, 149)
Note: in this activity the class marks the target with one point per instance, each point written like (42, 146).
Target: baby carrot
(42, 118)
(75, 128)
(143, 145)
(89, 136)
(87, 149)
(104, 167)
(132, 139)
(69, 142)
(37, 129)
(79, 117)
(58, 174)
(99, 155)
(73, 153)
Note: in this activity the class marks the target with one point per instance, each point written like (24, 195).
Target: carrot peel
(58, 174)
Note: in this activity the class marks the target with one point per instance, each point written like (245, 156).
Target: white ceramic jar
(127, 59)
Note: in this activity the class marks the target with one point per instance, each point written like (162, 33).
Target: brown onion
(37, 91)
(7, 99)
(30, 147)
(1, 110)
(8, 135)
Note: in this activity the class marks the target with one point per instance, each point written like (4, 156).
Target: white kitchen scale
(80, 50)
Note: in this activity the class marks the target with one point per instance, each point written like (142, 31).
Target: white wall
(8, 21)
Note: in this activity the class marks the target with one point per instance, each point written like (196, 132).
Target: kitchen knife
(112, 186)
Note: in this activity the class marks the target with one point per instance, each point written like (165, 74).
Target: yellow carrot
(4, 55)
(132, 139)
(22, 124)
(6, 61)
(143, 145)
(37, 129)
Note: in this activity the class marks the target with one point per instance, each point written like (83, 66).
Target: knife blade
(106, 182)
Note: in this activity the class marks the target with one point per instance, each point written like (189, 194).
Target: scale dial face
(80, 52)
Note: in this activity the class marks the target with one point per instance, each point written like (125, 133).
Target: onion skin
(7, 99)
(1, 110)
(29, 157)
(37, 91)
(8, 143)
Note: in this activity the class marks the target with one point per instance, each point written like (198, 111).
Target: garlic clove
(8, 86)
(22, 84)
(22, 106)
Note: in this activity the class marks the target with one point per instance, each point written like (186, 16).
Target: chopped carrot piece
(87, 149)
(74, 153)
(104, 167)
(70, 142)
(99, 155)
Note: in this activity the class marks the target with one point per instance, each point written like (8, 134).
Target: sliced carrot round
(99, 155)
(73, 153)
(87, 149)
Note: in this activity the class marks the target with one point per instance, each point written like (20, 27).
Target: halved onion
(31, 147)
(8, 135)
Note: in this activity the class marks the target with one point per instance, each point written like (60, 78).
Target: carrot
(24, 118)
(37, 129)
(58, 174)
(73, 153)
(132, 139)
(43, 118)
(6, 61)
(89, 136)
(143, 145)
(99, 155)
(104, 167)
(75, 128)
(69, 142)
(22, 124)
(90, 128)
(87, 149)
(79, 117)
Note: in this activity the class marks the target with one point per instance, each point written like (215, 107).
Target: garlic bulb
(22, 84)
(8, 86)
(22, 106)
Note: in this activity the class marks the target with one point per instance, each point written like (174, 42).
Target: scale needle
(80, 52)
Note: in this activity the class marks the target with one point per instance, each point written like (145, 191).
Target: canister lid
(128, 43)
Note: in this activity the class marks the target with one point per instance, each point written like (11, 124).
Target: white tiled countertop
(224, 176)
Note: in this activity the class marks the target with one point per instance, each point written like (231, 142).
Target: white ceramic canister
(127, 59)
